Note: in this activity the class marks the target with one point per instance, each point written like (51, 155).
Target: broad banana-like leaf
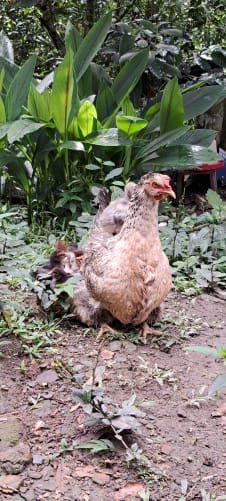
(4, 127)
(73, 38)
(165, 140)
(83, 124)
(128, 108)
(129, 76)
(63, 98)
(6, 47)
(199, 137)
(10, 71)
(171, 109)
(200, 100)
(18, 90)
(39, 104)
(179, 157)
(2, 111)
(130, 125)
(19, 129)
(91, 44)
(15, 168)
(105, 102)
(109, 137)
(73, 145)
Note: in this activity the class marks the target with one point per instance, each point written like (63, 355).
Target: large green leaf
(16, 168)
(200, 100)
(2, 111)
(105, 102)
(109, 137)
(130, 125)
(19, 129)
(83, 124)
(39, 104)
(10, 71)
(91, 44)
(164, 140)
(18, 90)
(180, 157)
(171, 109)
(63, 96)
(72, 37)
(200, 137)
(129, 75)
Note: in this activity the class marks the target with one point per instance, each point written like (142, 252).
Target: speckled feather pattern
(129, 274)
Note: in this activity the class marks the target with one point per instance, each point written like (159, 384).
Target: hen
(129, 274)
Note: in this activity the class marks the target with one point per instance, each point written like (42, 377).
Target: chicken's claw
(146, 330)
(105, 328)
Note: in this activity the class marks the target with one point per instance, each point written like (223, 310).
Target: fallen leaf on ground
(130, 490)
(107, 354)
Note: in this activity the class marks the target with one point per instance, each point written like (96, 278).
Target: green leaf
(130, 125)
(90, 45)
(214, 199)
(219, 382)
(105, 102)
(114, 173)
(73, 38)
(171, 109)
(199, 137)
(203, 349)
(10, 69)
(182, 157)
(18, 90)
(129, 76)
(97, 446)
(2, 111)
(198, 101)
(109, 137)
(62, 98)
(83, 124)
(19, 128)
(165, 140)
(73, 145)
(39, 104)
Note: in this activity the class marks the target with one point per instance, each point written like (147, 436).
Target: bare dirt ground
(183, 431)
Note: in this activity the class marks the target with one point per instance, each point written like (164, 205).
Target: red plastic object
(217, 164)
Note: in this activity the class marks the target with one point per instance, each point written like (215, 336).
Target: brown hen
(129, 274)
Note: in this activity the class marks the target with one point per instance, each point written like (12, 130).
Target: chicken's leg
(146, 330)
(105, 328)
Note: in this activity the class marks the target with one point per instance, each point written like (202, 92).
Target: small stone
(100, 478)
(10, 432)
(13, 459)
(36, 475)
(47, 376)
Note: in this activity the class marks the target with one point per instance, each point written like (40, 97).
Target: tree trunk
(90, 15)
(47, 20)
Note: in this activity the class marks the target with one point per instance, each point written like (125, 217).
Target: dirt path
(183, 431)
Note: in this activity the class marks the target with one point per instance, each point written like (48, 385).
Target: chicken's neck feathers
(142, 215)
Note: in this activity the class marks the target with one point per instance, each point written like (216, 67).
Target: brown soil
(182, 435)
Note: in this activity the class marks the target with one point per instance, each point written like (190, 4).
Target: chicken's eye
(156, 185)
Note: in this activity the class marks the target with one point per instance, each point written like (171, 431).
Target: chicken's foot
(146, 330)
(105, 328)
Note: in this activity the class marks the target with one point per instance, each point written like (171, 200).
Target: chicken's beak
(171, 193)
